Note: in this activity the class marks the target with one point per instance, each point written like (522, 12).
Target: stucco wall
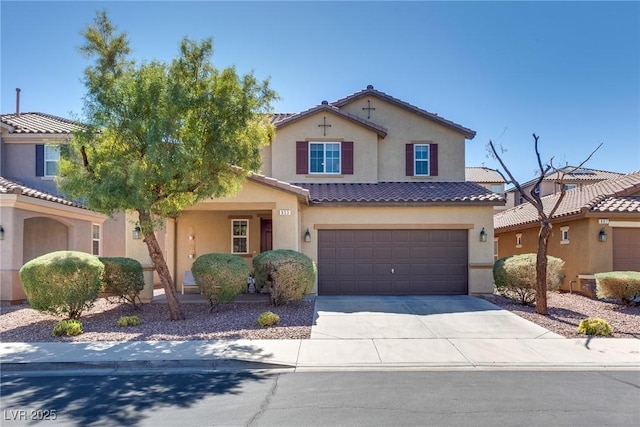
(365, 143)
(584, 254)
(405, 127)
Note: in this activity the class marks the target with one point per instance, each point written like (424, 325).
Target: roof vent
(325, 103)
(17, 102)
(369, 87)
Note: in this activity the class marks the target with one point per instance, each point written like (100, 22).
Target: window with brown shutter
(302, 157)
(347, 157)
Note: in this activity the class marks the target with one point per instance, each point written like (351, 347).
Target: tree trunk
(541, 268)
(159, 263)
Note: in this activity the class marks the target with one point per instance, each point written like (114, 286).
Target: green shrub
(123, 279)
(268, 318)
(622, 285)
(128, 321)
(68, 327)
(62, 282)
(515, 276)
(220, 277)
(594, 326)
(290, 274)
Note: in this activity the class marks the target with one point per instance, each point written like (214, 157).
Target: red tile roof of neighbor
(38, 123)
(616, 195)
(401, 193)
(585, 175)
(13, 187)
(482, 174)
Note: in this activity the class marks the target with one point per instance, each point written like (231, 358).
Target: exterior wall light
(137, 231)
(307, 236)
(602, 235)
(483, 235)
(1, 232)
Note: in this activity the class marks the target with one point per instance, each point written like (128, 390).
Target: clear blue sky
(569, 71)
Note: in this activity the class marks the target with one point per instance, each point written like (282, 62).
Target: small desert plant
(123, 279)
(622, 285)
(268, 318)
(594, 326)
(124, 321)
(515, 276)
(68, 327)
(63, 282)
(220, 277)
(291, 273)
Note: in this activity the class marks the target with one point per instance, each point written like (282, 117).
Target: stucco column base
(147, 292)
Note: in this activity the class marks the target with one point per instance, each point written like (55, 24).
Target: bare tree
(544, 215)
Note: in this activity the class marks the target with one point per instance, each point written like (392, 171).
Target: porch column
(286, 233)
(11, 249)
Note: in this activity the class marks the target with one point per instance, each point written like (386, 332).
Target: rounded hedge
(220, 277)
(622, 285)
(515, 276)
(63, 282)
(123, 278)
(290, 274)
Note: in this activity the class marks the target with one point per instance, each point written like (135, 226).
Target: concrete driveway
(418, 317)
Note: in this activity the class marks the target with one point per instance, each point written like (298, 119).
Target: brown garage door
(626, 249)
(392, 262)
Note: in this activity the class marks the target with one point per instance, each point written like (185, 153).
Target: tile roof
(13, 187)
(468, 133)
(302, 192)
(401, 193)
(39, 123)
(285, 119)
(612, 195)
(580, 175)
(482, 174)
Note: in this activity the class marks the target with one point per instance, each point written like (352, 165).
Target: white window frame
(51, 155)
(324, 157)
(95, 239)
(519, 240)
(234, 236)
(564, 235)
(416, 160)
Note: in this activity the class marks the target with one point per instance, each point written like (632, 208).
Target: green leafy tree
(160, 137)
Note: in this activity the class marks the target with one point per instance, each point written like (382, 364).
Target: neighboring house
(371, 188)
(34, 218)
(595, 229)
(550, 184)
(488, 178)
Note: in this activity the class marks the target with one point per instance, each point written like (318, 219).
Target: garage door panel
(626, 249)
(423, 262)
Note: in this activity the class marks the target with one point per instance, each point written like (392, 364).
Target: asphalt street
(253, 398)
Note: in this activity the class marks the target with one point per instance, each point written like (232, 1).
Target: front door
(266, 234)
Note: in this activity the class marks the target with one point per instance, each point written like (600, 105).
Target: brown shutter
(347, 157)
(433, 159)
(409, 159)
(39, 159)
(302, 157)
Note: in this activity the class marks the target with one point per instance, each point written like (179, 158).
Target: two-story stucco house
(34, 218)
(371, 188)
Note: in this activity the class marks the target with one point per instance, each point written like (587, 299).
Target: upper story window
(519, 240)
(564, 235)
(421, 159)
(240, 236)
(47, 158)
(324, 157)
(51, 158)
(497, 189)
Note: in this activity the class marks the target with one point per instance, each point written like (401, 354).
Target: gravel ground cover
(567, 310)
(19, 323)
